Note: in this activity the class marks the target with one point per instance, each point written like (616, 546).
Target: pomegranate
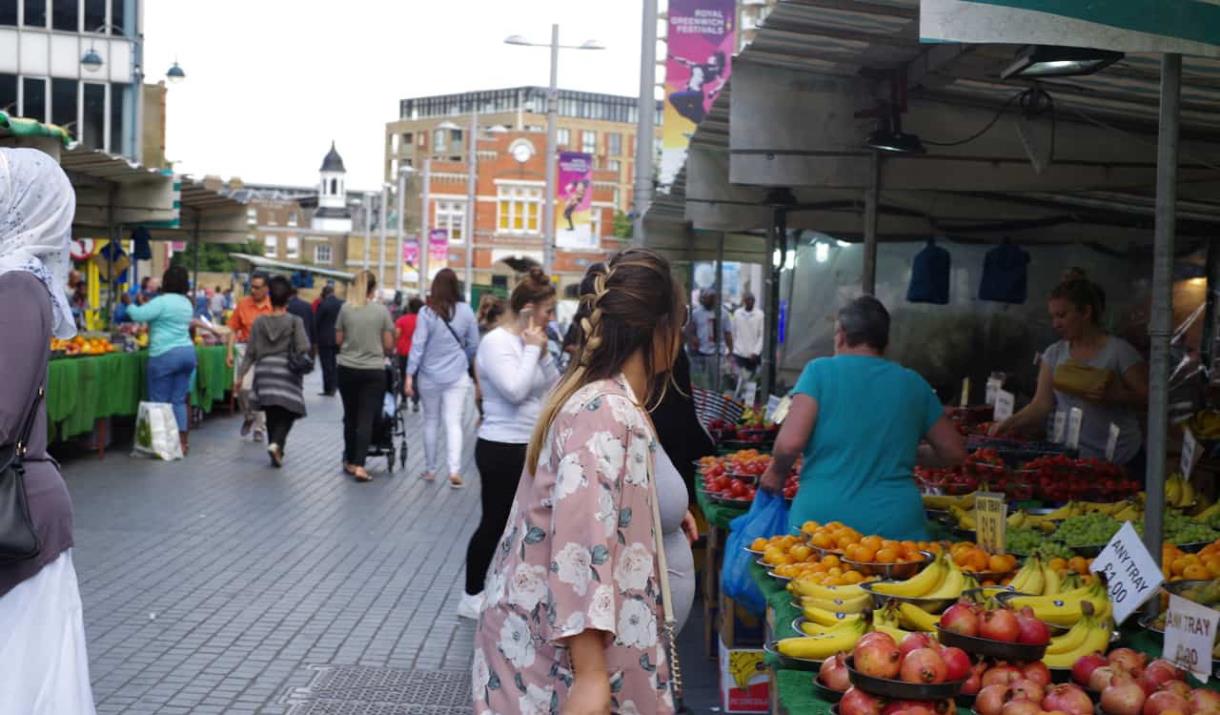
(1037, 672)
(915, 641)
(1123, 696)
(923, 665)
(1031, 630)
(1026, 689)
(1068, 698)
(1178, 687)
(957, 663)
(858, 702)
(1158, 673)
(878, 659)
(1132, 660)
(1103, 676)
(960, 618)
(833, 673)
(1021, 707)
(973, 684)
(1204, 701)
(876, 636)
(1085, 666)
(910, 707)
(1165, 701)
(1001, 674)
(991, 699)
(999, 625)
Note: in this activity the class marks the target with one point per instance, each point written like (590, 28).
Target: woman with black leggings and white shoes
(515, 371)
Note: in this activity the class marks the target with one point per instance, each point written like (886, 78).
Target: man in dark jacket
(324, 337)
(298, 307)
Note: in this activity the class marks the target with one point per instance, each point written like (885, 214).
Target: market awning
(206, 213)
(112, 191)
(276, 266)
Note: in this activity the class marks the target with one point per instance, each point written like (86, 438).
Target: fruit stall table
(83, 391)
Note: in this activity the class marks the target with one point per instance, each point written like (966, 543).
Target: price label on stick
(1190, 633)
(769, 413)
(991, 521)
(1132, 577)
(992, 387)
(1060, 430)
(965, 392)
(1112, 442)
(1004, 403)
(781, 410)
(750, 393)
(1190, 448)
(1075, 419)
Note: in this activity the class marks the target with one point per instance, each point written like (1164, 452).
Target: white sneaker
(470, 606)
(259, 435)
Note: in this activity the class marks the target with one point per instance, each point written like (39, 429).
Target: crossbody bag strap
(23, 442)
(669, 625)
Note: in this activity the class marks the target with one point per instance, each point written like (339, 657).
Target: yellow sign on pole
(991, 521)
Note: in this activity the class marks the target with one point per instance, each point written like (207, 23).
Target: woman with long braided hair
(572, 615)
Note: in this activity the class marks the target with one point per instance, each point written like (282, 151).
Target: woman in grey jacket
(277, 389)
(445, 342)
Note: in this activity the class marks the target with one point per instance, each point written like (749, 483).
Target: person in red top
(247, 310)
(405, 329)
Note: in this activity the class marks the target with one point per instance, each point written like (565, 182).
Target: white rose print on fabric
(633, 568)
(573, 564)
(637, 624)
(609, 451)
(515, 641)
(527, 587)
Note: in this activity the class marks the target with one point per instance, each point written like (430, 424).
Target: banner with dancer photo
(410, 259)
(702, 37)
(574, 205)
(438, 251)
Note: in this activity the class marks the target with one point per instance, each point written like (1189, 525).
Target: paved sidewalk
(218, 584)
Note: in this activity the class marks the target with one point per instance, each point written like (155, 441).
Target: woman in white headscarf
(42, 636)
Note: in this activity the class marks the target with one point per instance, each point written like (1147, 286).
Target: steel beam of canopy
(1160, 327)
(777, 240)
(871, 198)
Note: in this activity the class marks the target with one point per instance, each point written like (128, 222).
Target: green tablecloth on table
(716, 514)
(82, 390)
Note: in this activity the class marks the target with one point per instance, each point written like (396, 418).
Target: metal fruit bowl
(931, 605)
(832, 696)
(890, 571)
(1021, 652)
(900, 689)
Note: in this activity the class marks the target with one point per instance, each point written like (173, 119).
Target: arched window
(334, 187)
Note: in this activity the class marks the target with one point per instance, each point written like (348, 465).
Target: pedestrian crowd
(585, 528)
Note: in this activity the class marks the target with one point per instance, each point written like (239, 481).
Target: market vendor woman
(1099, 373)
(858, 419)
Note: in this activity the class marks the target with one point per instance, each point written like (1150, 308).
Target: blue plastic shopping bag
(767, 517)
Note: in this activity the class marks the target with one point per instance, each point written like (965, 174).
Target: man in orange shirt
(247, 310)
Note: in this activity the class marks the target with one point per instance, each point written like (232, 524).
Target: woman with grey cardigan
(277, 389)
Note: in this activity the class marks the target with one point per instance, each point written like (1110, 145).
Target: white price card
(1059, 433)
(781, 410)
(1132, 576)
(1004, 403)
(965, 401)
(1190, 635)
(1075, 419)
(1112, 442)
(750, 393)
(991, 521)
(1190, 451)
(993, 386)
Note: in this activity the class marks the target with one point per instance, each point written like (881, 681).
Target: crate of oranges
(1179, 565)
(988, 569)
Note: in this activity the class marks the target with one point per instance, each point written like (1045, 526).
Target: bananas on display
(888, 620)
(1179, 492)
(744, 665)
(1030, 578)
(945, 501)
(850, 605)
(1089, 634)
(837, 639)
(916, 619)
(822, 617)
(921, 584)
(1066, 608)
(805, 587)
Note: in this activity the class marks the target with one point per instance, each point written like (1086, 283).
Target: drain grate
(359, 690)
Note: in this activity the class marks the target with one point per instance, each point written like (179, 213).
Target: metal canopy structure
(275, 265)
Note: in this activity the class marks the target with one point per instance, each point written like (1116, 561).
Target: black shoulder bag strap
(462, 344)
(18, 539)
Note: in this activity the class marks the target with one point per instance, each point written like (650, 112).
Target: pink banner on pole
(410, 251)
(574, 191)
(438, 250)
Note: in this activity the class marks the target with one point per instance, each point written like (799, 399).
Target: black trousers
(279, 423)
(363, 393)
(326, 358)
(500, 466)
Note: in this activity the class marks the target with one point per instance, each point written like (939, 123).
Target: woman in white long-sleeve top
(515, 373)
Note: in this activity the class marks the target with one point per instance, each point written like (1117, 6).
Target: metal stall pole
(402, 219)
(382, 226)
(868, 281)
(198, 250)
(472, 167)
(368, 226)
(548, 201)
(1160, 324)
(644, 131)
(775, 239)
(425, 221)
(717, 328)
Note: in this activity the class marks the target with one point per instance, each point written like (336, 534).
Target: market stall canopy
(273, 265)
(111, 191)
(207, 213)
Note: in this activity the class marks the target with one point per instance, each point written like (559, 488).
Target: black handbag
(18, 539)
(300, 364)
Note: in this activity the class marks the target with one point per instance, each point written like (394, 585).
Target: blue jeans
(169, 380)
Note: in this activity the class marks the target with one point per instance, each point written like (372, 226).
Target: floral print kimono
(578, 553)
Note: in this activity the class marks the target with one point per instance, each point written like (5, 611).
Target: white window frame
(440, 141)
(450, 217)
(292, 247)
(322, 254)
(588, 142)
(292, 219)
(611, 150)
(271, 246)
(563, 136)
(251, 217)
(519, 198)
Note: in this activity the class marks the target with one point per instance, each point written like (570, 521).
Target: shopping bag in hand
(157, 432)
(767, 517)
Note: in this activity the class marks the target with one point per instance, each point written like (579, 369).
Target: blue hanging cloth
(1004, 274)
(141, 250)
(930, 276)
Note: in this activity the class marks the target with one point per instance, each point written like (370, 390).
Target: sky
(270, 83)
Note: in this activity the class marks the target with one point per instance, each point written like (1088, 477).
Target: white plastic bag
(157, 432)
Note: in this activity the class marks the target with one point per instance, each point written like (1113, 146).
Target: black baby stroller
(391, 423)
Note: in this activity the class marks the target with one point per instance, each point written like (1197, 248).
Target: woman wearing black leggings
(365, 334)
(515, 373)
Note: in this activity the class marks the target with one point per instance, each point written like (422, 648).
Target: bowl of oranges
(870, 555)
(790, 557)
(986, 568)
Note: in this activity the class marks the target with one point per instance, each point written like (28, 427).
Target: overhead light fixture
(1050, 61)
(92, 61)
(890, 138)
(175, 74)
(516, 40)
(821, 252)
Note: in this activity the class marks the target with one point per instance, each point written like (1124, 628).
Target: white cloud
(271, 82)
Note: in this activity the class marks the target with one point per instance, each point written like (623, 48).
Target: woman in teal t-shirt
(858, 418)
(171, 353)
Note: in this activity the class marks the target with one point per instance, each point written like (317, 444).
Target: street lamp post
(472, 163)
(552, 111)
(381, 221)
(647, 110)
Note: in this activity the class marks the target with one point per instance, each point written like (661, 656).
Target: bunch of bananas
(1068, 606)
(1035, 578)
(1090, 634)
(839, 638)
(1209, 514)
(940, 579)
(914, 618)
(745, 664)
(833, 600)
(888, 620)
(1179, 492)
(944, 501)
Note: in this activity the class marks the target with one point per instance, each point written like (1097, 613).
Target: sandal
(361, 475)
(455, 482)
(349, 469)
(428, 477)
